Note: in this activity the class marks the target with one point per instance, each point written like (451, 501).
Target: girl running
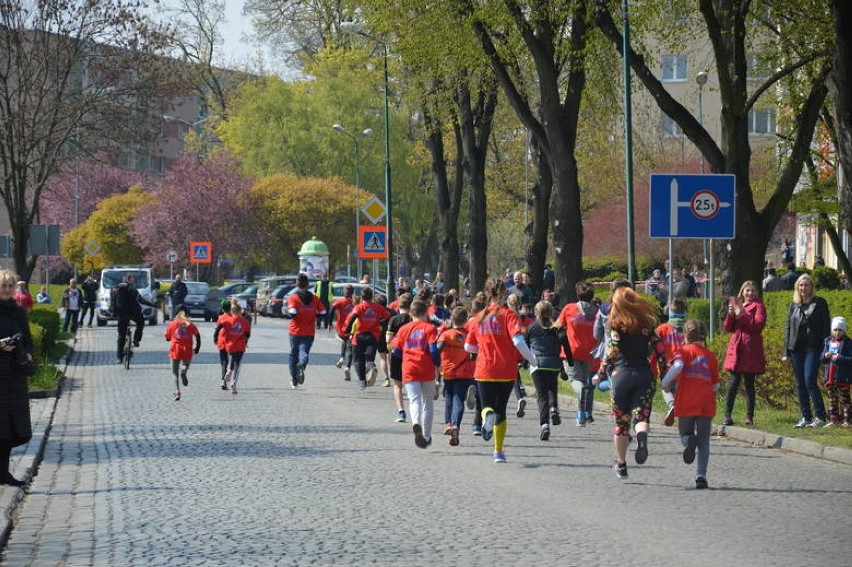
(369, 316)
(180, 333)
(547, 342)
(237, 331)
(513, 302)
(219, 341)
(497, 339)
(457, 370)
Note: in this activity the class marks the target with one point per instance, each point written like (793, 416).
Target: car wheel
(101, 322)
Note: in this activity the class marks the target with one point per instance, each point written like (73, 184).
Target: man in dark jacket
(177, 293)
(90, 299)
(788, 280)
(127, 306)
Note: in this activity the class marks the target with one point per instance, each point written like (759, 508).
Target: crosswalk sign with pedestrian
(372, 242)
(201, 252)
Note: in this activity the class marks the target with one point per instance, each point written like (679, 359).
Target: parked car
(215, 296)
(247, 298)
(273, 305)
(196, 300)
(338, 287)
(265, 287)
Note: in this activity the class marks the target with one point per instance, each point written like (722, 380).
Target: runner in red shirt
(369, 316)
(219, 341)
(496, 338)
(341, 308)
(415, 343)
(578, 320)
(457, 370)
(696, 371)
(237, 331)
(303, 307)
(672, 339)
(180, 333)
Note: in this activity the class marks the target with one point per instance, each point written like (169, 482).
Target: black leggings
(546, 392)
(495, 395)
(733, 388)
(365, 351)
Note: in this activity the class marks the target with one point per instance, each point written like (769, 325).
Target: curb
(26, 459)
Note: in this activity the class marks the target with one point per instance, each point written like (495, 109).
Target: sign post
(697, 207)
(171, 258)
(200, 253)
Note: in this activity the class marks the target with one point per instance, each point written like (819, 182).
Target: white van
(145, 284)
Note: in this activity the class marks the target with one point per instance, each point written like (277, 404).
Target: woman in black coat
(15, 426)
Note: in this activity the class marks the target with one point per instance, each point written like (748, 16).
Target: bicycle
(128, 344)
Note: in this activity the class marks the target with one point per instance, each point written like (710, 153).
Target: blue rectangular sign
(692, 206)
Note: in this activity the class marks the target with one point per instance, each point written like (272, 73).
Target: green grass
(47, 375)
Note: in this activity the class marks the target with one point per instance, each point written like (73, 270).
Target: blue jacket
(842, 373)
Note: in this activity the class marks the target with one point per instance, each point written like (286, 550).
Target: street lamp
(356, 140)
(353, 28)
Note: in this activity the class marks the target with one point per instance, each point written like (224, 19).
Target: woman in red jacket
(744, 359)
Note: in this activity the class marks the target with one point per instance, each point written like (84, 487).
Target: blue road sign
(692, 206)
(372, 242)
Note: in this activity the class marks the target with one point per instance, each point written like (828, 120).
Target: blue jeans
(455, 392)
(300, 348)
(805, 369)
(71, 317)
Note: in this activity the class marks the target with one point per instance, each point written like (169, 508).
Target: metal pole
(388, 193)
(712, 293)
(357, 215)
(701, 158)
(628, 148)
(670, 294)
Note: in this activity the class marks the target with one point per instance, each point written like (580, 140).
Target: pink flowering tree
(199, 200)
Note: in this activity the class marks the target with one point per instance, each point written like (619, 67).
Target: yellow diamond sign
(374, 210)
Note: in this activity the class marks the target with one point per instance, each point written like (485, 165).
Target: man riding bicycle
(127, 306)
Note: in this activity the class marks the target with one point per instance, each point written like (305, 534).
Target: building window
(761, 122)
(674, 68)
(669, 128)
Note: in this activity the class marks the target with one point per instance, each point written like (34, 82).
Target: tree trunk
(567, 224)
(836, 245)
(541, 192)
(842, 83)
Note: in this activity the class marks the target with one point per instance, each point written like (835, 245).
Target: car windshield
(251, 290)
(197, 288)
(111, 278)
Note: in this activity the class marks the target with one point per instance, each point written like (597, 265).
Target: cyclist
(126, 306)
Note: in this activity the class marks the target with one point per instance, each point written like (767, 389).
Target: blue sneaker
(400, 416)
(581, 419)
(499, 457)
(488, 420)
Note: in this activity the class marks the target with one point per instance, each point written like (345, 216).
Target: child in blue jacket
(837, 356)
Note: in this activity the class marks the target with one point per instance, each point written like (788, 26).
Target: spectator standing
(23, 297)
(787, 252)
(72, 300)
(326, 296)
(43, 296)
(808, 323)
(788, 280)
(744, 359)
(837, 355)
(90, 299)
(438, 284)
(772, 282)
(548, 279)
(177, 293)
(656, 286)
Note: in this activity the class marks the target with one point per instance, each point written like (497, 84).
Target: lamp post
(356, 140)
(352, 27)
(709, 292)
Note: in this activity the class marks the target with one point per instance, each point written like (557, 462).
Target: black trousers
(123, 323)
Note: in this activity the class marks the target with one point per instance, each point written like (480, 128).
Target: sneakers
(340, 363)
(590, 418)
(470, 399)
(641, 447)
(447, 428)
(828, 425)
(437, 390)
(400, 416)
(670, 417)
(489, 418)
(701, 483)
(816, 423)
(234, 387)
(372, 372)
(293, 386)
(454, 437)
(300, 374)
(499, 457)
(347, 374)
(419, 440)
(522, 406)
(387, 383)
(581, 419)
(544, 434)
(476, 430)
(728, 420)
(224, 384)
(135, 343)
(620, 470)
(689, 450)
(555, 419)
(177, 396)
(183, 379)
(802, 423)
(362, 385)
(749, 420)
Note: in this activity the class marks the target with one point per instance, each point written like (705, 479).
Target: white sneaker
(816, 423)
(372, 373)
(347, 374)
(362, 385)
(234, 387)
(470, 399)
(802, 423)
(340, 363)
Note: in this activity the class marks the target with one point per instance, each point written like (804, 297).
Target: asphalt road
(324, 476)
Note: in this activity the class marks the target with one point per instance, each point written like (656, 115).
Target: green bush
(612, 275)
(48, 319)
(39, 349)
(826, 278)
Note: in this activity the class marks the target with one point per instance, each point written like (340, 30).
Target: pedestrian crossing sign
(201, 252)
(372, 242)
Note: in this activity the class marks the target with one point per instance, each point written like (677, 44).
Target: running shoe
(816, 423)
(177, 396)
(387, 383)
(701, 483)
(437, 390)
(300, 373)
(728, 421)
(454, 437)
(448, 427)
(340, 363)
(522, 406)
(476, 430)
(555, 418)
(234, 387)
(419, 440)
(670, 418)
(590, 418)
(641, 447)
(544, 435)
(489, 418)
(499, 457)
(224, 384)
(802, 423)
(347, 374)
(362, 385)
(620, 470)
(183, 379)
(470, 399)
(581, 419)
(689, 450)
(293, 386)
(372, 373)
(400, 416)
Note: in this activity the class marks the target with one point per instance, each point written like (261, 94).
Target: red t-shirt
(497, 358)
(370, 316)
(236, 331)
(455, 361)
(343, 307)
(413, 339)
(694, 396)
(180, 336)
(304, 322)
(581, 333)
(24, 300)
(220, 338)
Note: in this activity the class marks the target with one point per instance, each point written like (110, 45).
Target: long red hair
(630, 312)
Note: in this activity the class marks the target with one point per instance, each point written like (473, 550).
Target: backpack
(121, 298)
